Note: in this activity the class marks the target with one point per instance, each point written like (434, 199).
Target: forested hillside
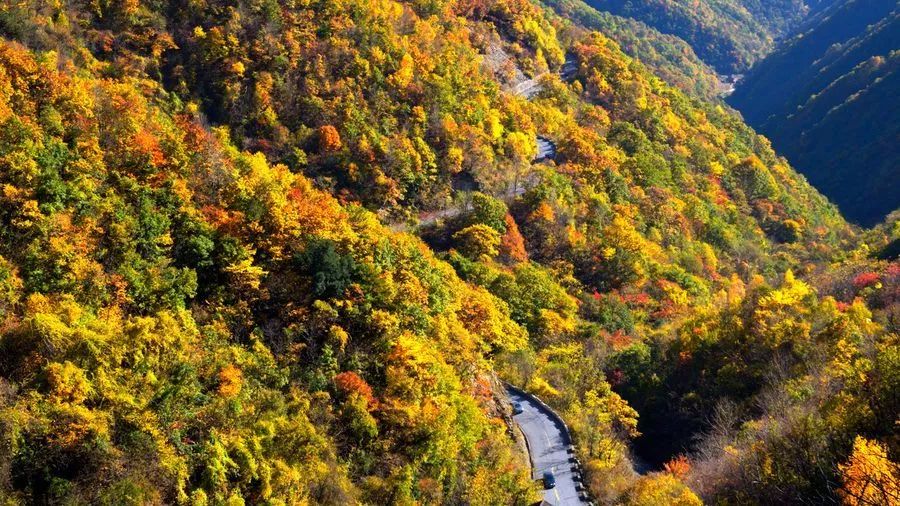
(666, 56)
(828, 100)
(206, 300)
(781, 17)
(184, 322)
(729, 35)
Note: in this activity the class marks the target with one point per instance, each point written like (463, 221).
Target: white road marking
(550, 457)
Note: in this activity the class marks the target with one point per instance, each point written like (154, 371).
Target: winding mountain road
(548, 447)
(546, 147)
(530, 88)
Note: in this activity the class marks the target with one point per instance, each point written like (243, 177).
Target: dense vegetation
(200, 304)
(828, 100)
(622, 283)
(729, 35)
(666, 56)
(781, 17)
(184, 322)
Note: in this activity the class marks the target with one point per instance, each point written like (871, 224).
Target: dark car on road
(549, 480)
(517, 408)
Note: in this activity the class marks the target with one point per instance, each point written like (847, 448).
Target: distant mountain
(243, 261)
(828, 100)
(782, 16)
(727, 34)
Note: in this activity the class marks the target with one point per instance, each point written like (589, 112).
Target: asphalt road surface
(547, 445)
(529, 88)
(546, 149)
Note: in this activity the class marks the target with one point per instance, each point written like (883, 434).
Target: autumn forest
(290, 252)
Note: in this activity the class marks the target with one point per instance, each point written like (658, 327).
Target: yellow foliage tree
(870, 477)
(662, 490)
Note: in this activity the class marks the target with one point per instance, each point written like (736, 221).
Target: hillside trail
(528, 88)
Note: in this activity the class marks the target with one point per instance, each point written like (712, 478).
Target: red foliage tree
(865, 280)
(349, 383)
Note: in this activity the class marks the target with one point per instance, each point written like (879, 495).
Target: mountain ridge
(834, 118)
(200, 302)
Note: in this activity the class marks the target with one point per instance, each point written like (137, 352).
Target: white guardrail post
(575, 464)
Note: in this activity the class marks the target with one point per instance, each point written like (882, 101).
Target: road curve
(546, 149)
(548, 447)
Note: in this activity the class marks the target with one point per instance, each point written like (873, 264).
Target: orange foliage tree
(870, 477)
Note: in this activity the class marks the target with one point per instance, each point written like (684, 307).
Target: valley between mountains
(290, 252)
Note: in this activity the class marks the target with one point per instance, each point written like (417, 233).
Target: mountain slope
(826, 99)
(200, 305)
(729, 35)
(723, 34)
(184, 322)
(781, 17)
(666, 56)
